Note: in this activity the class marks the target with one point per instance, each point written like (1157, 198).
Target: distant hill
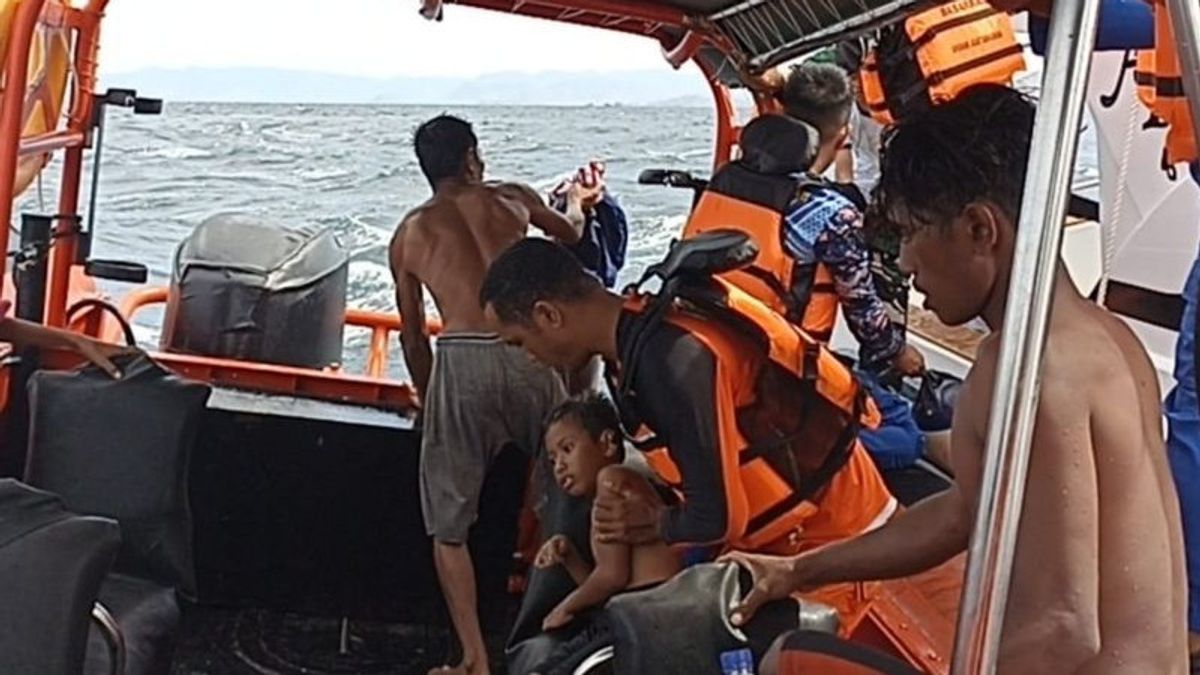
(266, 85)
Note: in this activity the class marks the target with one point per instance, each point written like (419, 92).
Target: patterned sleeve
(842, 248)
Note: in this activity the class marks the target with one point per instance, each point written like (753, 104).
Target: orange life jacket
(788, 415)
(1160, 88)
(936, 54)
(753, 203)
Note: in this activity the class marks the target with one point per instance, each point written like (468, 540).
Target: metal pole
(1027, 312)
(1185, 23)
(29, 270)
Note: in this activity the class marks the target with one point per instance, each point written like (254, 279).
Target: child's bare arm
(558, 550)
(609, 577)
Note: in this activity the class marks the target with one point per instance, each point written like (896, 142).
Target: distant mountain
(266, 85)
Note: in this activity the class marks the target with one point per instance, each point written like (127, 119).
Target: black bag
(120, 449)
(933, 409)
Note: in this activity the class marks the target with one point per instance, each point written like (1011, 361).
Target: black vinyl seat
(52, 563)
(121, 449)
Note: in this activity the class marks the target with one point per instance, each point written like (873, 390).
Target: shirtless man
(1098, 581)
(446, 244)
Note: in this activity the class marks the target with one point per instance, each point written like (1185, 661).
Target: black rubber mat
(217, 641)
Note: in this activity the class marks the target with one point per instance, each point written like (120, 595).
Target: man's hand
(774, 578)
(585, 196)
(557, 618)
(627, 514)
(99, 353)
(556, 551)
(909, 362)
(769, 82)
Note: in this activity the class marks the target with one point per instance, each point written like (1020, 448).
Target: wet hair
(935, 163)
(531, 271)
(442, 145)
(778, 145)
(819, 94)
(593, 413)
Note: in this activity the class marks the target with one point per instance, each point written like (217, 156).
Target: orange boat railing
(382, 326)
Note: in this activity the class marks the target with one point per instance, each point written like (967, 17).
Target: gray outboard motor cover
(245, 289)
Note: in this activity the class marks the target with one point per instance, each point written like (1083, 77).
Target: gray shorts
(483, 395)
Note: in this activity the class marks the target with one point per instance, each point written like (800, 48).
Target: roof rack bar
(1023, 336)
(1185, 20)
(819, 38)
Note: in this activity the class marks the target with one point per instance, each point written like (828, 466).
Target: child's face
(577, 457)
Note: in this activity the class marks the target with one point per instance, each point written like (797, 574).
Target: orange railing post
(727, 131)
(12, 105)
(87, 22)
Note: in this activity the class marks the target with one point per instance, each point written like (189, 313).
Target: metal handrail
(1023, 336)
(111, 630)
(382, 325)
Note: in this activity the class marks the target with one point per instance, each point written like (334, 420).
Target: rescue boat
(304, 528)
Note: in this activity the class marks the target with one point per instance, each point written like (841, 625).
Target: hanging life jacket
(788, 423)
(1160, 88)
(933, 55)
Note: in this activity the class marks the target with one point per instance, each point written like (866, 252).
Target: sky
(374, 38)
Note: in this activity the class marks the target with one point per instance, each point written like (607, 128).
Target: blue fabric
(823, 226)
(1124, 24)
(601, 249)
(1183, 440)
(897, 443)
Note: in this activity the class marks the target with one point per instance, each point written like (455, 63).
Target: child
(584, 446)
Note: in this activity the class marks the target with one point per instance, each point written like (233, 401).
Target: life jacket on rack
(1160, 88)
(753, 195)
(787, 425)
(933, 55)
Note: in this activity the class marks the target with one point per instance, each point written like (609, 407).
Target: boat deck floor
(225, 641)
(220, 641)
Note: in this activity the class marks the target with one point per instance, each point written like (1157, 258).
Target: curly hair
(974, 148)
(594, 413)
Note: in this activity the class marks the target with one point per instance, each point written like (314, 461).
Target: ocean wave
(176, 152)
(322, 174)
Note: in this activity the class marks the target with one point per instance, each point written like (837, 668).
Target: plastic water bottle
(737, 662)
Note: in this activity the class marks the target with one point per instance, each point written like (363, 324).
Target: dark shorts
(483, 395)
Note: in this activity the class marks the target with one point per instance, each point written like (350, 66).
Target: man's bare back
(1098, 575)
(447, 243)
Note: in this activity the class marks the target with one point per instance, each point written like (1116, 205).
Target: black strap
(1166, 86)
(943, 75)
(1164, 310)
(810, 485)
